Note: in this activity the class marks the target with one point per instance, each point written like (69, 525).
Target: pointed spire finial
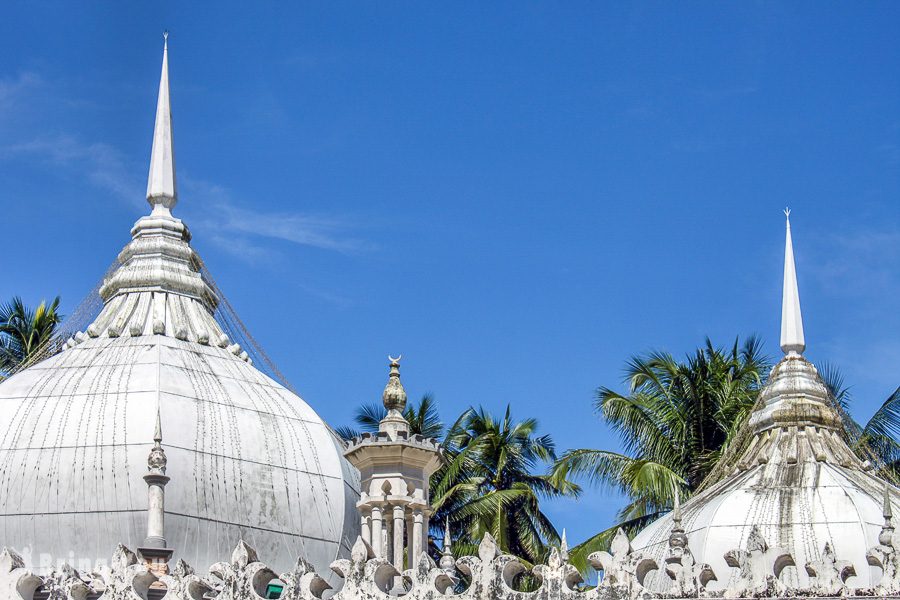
(157, 434)
(677, 537)
(792, 340)
(156, 460)
(447, 561)
(676, 512)
(447, 538)
(161, 190)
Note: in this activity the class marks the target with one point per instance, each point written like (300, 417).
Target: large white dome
(248, 459)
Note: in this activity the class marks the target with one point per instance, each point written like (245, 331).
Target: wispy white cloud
(237, 227)
(103, 165)
(14, 89)
(860, 275)
(228, 219)
(861, 263)
(305, 229)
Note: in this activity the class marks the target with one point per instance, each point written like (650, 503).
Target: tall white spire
(792, 340)
(161, 192)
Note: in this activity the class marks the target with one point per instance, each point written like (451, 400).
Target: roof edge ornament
(161, 188)
(792, 340)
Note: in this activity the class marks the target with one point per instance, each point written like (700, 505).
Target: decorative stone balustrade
(490, 575)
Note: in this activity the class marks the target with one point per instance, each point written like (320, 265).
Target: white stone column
(418, 533)
(410, 546)
(426, 520)
(399, 522)
(388, 542)
(156, 515)
(376, 531)
(364, 522)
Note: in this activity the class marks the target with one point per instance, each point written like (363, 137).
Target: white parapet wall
(490, 575)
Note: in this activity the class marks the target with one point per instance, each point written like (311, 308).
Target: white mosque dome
(797, 482)
(248, 459)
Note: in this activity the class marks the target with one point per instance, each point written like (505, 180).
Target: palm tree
(878, 438)
(24, 332)
(675, 423)
(490, 484)
(423, 419)
(875, 441)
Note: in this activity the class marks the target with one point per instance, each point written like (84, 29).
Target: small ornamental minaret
(886, 536)
(395, 468)
(154, 549)
(678, 541)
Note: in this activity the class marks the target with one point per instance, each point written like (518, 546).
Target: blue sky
(515, 196)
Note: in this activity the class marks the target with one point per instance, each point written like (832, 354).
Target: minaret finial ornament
(161, 190)
(394, 396)
(792, 341)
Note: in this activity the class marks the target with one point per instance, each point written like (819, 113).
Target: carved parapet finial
(491, 574)
(829, 575)
(66, 583)
(126, 578)
(16, 582)
(364, 574)
(183, 584)
(303, 583)
(244, 578)
(622, 568)
(558, 577)
(428, 579)
(760, 567)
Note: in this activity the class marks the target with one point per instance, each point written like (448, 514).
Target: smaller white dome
(797, 481)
